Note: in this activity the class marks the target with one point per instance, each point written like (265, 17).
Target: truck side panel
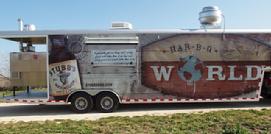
(179, 67)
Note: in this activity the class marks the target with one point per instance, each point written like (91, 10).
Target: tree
(4, 64)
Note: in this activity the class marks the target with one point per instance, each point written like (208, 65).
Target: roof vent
(121, 25)
(210, 17)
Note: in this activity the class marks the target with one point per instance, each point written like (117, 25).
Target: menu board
(123, 57)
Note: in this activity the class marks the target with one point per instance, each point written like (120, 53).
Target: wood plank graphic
(205, 66)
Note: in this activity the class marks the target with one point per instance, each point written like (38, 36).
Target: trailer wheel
(107, 102)
(81, 103)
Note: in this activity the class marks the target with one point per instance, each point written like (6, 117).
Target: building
(4, 82)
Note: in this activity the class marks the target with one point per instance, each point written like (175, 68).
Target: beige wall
(4, 83)
(30, 67)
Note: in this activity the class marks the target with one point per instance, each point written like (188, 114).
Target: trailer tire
(81, 103)
(107, 102)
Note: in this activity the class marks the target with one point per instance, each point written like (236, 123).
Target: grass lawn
(5, 93)
(10, 92)
(225, 122)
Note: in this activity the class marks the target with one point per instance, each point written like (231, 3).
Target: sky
(143, 14)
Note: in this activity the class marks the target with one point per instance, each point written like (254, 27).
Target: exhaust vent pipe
(20, 24)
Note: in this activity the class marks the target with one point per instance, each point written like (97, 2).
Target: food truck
(105, 68)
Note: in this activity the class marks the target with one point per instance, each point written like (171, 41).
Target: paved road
(25, 112)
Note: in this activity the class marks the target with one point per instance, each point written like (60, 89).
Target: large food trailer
(145, 66)
(106, 68)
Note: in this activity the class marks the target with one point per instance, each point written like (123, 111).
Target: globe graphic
(191, 70)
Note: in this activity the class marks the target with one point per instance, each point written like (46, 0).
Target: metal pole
(27, 89)
(14, 91)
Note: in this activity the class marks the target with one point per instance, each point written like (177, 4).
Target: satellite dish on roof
(29, 27)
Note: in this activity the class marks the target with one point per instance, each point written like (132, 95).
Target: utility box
(28, 69)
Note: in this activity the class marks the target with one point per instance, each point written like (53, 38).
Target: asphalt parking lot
(29, 112)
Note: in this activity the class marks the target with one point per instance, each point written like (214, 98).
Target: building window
(16, 75)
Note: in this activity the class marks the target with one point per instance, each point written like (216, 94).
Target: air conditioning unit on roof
(121, 25)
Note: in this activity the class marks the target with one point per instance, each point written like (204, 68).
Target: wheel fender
(75, 92)
(117, 95)
(92, 93)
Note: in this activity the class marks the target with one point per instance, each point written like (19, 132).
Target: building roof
(39, 36)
